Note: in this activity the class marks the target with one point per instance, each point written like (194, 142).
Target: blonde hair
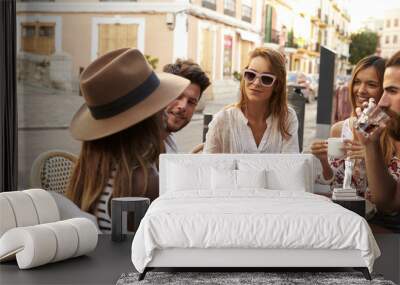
(139, 145)
(277, 105)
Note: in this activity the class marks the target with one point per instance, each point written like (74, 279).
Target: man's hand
(372, 137)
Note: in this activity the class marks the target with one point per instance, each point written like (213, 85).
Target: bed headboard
(285, 164)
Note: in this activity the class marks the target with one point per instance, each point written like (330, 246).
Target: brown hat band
(127, 101)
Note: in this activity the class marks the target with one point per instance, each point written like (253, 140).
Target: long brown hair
(378, 63)
(277, 105)
(140, 145)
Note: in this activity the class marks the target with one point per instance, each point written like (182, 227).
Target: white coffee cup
(335, 147)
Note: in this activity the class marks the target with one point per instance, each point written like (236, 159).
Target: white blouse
(229, 132)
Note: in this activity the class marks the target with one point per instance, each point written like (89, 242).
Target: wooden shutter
(206, 54)
(45, 43)
(115, 36)
(38, 37)
(28, 36)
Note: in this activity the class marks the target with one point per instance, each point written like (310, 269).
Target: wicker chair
(52, 170)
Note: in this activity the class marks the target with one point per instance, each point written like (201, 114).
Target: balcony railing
(246, 18)
(209, 4)
(230, 12)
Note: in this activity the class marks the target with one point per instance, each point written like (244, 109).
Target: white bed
(247, 211)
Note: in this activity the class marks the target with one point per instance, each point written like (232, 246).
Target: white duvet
(253, 218)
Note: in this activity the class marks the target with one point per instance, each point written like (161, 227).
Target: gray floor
(102, 266)
(110, 260)
(389, 263)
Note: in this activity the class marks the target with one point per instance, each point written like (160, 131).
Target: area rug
(243, 278)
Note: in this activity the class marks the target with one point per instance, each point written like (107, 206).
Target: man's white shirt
(170, 144)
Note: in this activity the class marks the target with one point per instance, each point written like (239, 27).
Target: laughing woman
(261, 122)
(366, 83)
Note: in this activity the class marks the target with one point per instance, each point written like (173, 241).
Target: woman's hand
(320, 150)
(354, 149)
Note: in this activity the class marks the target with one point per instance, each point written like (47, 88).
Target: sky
(359, 10)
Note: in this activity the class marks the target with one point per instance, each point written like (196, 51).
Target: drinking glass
(370, 119)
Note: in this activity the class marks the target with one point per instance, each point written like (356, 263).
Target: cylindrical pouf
(137, 205)
(34, 246)
(67, 239)
(45, 205)
(40, 244)
(87, 235)
(23, 208)
(7, 218)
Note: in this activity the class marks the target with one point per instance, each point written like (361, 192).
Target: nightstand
(356, 205)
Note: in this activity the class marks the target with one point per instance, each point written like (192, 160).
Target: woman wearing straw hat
(120, 128)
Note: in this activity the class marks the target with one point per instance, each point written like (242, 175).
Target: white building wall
(391, 33)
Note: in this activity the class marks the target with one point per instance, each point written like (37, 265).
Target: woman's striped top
(104, 207)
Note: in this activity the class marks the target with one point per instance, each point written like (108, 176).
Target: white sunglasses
(266, 79)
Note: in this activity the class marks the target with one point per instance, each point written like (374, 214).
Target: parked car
(300, 78)
(314, 78)
(342, 79)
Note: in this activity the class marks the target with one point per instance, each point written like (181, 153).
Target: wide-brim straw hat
(120, 90)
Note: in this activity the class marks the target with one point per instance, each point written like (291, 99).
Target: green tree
(153, 61)
(362, 44)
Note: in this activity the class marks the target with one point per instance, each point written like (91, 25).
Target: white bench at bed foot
(256, 258)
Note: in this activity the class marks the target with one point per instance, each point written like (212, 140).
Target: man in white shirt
(180, 111)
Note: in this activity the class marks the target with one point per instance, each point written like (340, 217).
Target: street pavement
(44, 116)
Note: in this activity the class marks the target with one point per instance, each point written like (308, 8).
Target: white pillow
(278, 180)
(284, 174)
(251, 178)
(194, 176)
(223, 179)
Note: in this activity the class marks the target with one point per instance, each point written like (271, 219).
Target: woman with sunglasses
(261, 122)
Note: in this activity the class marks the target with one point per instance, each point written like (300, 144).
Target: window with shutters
(230, 7)
(38, 38)
(115, 36)
(246, 13)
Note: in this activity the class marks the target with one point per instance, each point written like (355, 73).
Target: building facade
(390, 39)
(57, 39)
(305, 26)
